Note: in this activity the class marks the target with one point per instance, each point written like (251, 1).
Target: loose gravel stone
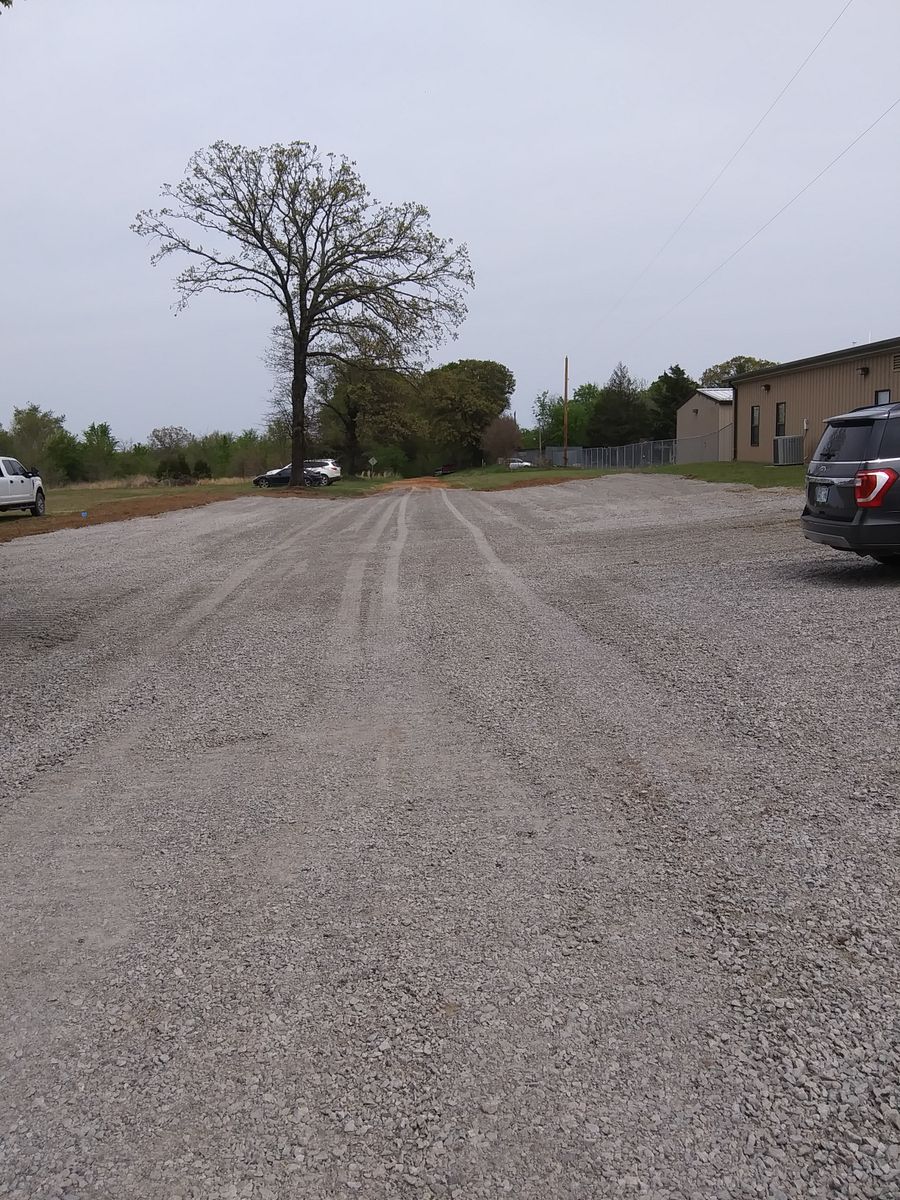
(538, 843)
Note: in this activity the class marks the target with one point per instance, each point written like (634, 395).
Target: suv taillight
(870, 486)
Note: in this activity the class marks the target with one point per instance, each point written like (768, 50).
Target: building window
(780, 418)
(754, 425)
(883, 397)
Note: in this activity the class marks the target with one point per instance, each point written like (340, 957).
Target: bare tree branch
(352, 278)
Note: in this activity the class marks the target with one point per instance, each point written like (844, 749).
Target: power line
(753, 236)
(681, 224)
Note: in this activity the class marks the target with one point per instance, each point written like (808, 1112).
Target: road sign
(372, 462)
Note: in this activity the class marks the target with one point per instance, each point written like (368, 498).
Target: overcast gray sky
(563, 141)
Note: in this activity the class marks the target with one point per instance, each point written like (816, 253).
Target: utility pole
(566, 414)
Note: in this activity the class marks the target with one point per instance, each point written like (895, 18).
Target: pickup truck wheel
(39, 506)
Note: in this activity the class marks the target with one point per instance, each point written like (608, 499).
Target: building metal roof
(720, 395)
(820, 360)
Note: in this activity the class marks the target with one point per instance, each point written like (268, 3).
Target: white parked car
(20, 488)
(322, 466)
(327, 466)
(516, 464)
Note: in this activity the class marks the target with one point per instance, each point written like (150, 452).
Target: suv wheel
(39, 506)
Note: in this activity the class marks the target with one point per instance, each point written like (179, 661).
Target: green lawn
(760, 475)
(61, 501)
(354, 485)
(86, 499)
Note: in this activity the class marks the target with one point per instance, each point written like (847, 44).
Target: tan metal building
(704, 427)
(795, 398)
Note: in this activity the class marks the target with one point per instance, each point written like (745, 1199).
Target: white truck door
(5, 480)
(18, 488)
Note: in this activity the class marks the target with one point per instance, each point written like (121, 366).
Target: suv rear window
(848, 441)
(890, 440)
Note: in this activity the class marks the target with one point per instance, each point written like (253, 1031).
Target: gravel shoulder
(538, 843)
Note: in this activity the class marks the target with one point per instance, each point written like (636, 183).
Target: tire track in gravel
(413, 923)
(122, 690)
(83, 908)
(91, 869)
(388, 638)
(737, 824)
(675, 997)
(433, 906)
(348, 623)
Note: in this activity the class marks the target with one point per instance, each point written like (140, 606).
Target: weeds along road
(539, 844)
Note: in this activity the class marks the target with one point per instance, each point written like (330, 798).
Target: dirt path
(448, 845)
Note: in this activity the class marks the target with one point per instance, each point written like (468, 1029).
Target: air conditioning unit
(788, 451)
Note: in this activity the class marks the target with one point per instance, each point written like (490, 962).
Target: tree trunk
(298, 415)
(354, 455)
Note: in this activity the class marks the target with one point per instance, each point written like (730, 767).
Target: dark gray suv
(852, 489)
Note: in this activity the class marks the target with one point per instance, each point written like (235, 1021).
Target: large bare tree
(353, 277)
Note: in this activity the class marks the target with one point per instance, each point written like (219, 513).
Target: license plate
(822, 490)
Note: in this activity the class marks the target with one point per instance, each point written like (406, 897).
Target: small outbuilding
(705, 427)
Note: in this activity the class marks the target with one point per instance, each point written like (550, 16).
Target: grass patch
(87, 499)
(759, 475)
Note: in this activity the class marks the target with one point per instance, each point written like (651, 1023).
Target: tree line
(626, 409)
(409, 422)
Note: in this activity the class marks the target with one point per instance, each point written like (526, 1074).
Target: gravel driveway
(534, 844)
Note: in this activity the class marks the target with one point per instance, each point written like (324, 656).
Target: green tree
(248, 454)
(389, 459)
(542, 411)
(174, 468)
(721, 374)
(135, 459)
(620, 414)
(351, 277)
(502, 438)
(361, 406)
(216, 449)
(665, 395)
(64, 458)
(581, 408)
(100, 451)
(548, 410)
(460, 400)
(169, 438)
(31, 430)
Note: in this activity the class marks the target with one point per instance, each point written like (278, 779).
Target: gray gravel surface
(540, 843)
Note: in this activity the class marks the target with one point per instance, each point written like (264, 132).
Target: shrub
(174, 469)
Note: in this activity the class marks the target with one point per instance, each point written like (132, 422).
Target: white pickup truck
(20, 488)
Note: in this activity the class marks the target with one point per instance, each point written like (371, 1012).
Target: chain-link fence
(710, 447)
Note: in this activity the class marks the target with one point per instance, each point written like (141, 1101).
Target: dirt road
(540, 844)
